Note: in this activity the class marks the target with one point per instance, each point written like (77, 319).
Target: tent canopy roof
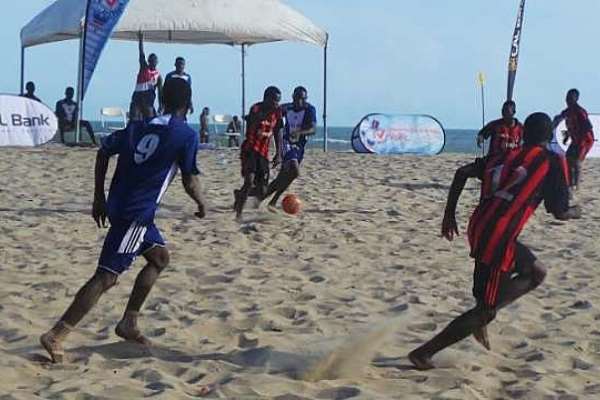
(183, 21)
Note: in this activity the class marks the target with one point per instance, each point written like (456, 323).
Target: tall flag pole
(481, 80)
(101, 17)
(513, 60)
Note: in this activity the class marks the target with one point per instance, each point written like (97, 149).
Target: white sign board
(25, 122)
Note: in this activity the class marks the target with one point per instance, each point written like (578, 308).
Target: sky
(390, 56)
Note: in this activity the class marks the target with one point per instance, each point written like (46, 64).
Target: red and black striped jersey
(504, 137)
(261, 126)
(512, 188)
(578, 123)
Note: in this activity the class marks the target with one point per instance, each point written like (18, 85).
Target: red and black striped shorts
(488, 281)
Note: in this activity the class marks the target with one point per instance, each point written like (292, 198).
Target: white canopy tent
(231, 22)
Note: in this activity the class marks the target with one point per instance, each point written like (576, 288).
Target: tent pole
(243, 87)
(79, 86)
(22, 70)
(325, 136)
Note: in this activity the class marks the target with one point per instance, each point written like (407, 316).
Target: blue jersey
(149, 155)
(302, 119)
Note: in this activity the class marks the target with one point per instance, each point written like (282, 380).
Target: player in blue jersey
(150, 153)
(300, 122)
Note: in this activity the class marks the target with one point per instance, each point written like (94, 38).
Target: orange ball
(291, 204)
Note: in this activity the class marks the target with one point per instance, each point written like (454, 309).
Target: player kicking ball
(300, 123)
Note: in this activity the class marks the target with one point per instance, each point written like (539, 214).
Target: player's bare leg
(242, 195)
(84, 301)
(457, 330)
(286, 176)
(127, 328)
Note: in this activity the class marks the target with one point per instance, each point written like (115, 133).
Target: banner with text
(25, 122)
(101, 18)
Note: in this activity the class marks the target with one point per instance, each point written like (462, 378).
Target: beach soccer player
(181, 74)
(264, 121)
(149, 154)
(148, 82)
(513, 186)
(300, 122)
(67, 112)
(506, 133)
(581, 133)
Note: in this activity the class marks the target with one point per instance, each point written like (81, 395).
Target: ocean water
(457, 140)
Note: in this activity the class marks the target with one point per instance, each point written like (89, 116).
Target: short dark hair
(177, 94)
(298, 90)
(152, 55)
(272, 91)
(573, 92)
(179, 59)
(510, 103)
(537, 129)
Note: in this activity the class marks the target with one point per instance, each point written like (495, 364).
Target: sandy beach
(321, 306)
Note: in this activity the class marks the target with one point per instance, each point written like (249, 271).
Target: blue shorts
(124, 242)
(293, 153)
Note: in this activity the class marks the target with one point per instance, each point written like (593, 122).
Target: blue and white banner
(398, 134)
(101, 18)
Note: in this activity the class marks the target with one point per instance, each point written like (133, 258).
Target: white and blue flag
(101, 18)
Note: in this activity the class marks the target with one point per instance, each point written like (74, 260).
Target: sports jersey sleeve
(487, 130)
(114, 143)
(556, 189)
(310, 118)
(187, 160)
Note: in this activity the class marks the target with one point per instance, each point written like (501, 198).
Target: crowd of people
(519, 172)
(147, 92)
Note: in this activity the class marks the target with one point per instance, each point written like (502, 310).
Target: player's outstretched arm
(449, 225)
(192, 187)
(142, 55)
(99, 205)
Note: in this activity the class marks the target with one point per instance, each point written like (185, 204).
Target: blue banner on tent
(101, 18)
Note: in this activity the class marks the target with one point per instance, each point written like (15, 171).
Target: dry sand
(265, 309)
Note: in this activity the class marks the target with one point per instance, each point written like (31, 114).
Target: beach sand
(322, 306)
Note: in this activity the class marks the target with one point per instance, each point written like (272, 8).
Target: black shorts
(254, 163)
(488, 282)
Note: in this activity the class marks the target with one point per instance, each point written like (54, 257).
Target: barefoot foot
(131, 333)
(53, 346)
(421, 362)
(481, 336)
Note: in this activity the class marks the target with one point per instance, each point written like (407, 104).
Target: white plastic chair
(112, 112)
(221, 119)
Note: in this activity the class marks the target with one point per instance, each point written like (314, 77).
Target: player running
(300, 122)
(263, 122)
(149, 156)
(513, 186)
(581, 133)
